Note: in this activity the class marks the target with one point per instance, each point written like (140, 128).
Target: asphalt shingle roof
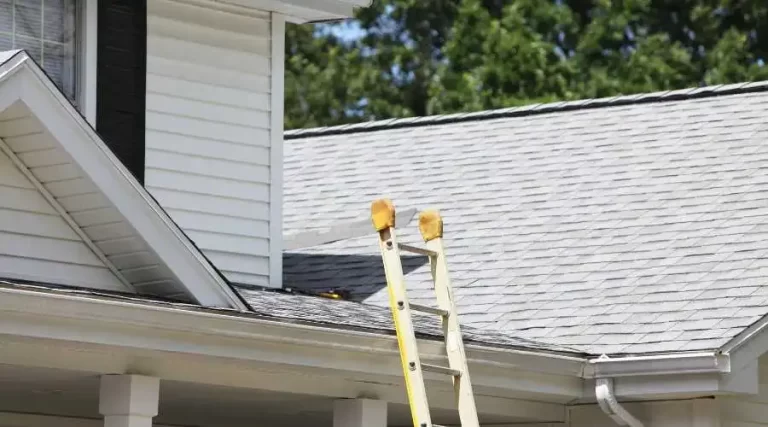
(627, 225)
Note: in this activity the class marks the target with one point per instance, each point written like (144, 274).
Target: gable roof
(65, 161)
(626, 225)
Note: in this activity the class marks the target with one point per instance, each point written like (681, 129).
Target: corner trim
(89, 59)
(276, 150)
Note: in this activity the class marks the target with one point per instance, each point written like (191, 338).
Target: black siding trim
(121, 90)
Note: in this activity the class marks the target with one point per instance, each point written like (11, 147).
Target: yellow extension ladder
(431, 227)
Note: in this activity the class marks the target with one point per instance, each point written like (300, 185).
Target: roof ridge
(531, 109)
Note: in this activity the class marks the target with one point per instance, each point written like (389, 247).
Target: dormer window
(46, 29)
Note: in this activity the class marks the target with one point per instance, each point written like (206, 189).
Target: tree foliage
(417, 57)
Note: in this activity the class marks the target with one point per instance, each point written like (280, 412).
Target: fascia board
(678, 386)
(128, 323)
(672, 376)
(81, 142)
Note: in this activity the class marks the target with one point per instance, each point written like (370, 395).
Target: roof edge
(533, 109)
(123, 308)
(639, 377)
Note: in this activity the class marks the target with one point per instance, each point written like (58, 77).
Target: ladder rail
(431, 227)
(383, 216)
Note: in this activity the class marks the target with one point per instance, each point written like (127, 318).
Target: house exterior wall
(681, 413)
(209, 143)
(35, 241)
(748, 410)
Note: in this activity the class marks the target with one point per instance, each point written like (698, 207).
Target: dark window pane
(54, 25)
(59, 64)
(46, 30)
(33, 47)
(5, 42)
(6, 16)
(28, 17)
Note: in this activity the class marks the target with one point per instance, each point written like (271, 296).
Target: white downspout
(608, 403)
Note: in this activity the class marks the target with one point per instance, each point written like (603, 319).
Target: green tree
(418, 57)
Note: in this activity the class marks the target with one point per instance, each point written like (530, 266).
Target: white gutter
(605, 369)
(668, 364)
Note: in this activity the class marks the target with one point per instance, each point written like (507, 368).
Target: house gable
(37, 242)
(62, 158)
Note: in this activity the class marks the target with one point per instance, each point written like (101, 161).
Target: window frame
(86, 60)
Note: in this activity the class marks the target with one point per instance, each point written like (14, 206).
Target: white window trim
(87, 59)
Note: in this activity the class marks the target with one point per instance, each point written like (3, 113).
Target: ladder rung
(440, 370)
(416, 250)
(428, 309)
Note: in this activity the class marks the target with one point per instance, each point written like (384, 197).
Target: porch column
(359, 413)
(129, 400)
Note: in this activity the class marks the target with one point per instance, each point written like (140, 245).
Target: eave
(296, 11)
(105, 333)
(191, 343)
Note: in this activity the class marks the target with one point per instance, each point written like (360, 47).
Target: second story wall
(212, 159)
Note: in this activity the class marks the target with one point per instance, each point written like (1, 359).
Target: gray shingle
(557, 219)
(363, 316)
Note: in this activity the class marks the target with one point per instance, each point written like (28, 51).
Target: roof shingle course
(560, 218)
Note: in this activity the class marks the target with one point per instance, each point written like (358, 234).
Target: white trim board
(21, 79)
(277, 94)
(88, 57)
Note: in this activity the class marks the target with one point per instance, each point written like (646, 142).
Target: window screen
(46, 30)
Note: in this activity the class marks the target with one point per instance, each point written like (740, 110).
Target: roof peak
(531, 109)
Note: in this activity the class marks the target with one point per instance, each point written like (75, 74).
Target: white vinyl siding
(36, 243)
(748, 410)
(208, 131)
(701, 412)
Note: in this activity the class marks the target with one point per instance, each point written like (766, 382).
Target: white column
(359, 413)
(129, 400)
